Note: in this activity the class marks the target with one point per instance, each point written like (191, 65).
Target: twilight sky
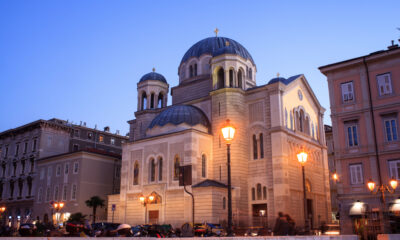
(81, 60)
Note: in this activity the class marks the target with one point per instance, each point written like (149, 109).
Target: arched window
(223, 203)
(308, 186)
(195, 69)
(253, 194)
(258, 191)
(312, 129)
(307, 125)
(220, 78)
(152, 101)
(203, 165)
(231, 78)
(301, 121)
(176, 167)
(264, 192)
(152, 170)
(291, 120)
(136, 174)
(160, 101)
(144, 101)
(160, 168)
(240, 78)
(286, 118)
(191, 71)
(250, 74)
(255, 152)
(261, 146)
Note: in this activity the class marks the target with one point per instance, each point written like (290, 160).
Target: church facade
(274, 122)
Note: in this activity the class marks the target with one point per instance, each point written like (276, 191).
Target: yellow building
(274, 122)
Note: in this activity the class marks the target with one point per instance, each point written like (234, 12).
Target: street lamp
(228, 132)
(57, 207)
(302, 158)
(146, 200)
(2, 210)
(335, 176)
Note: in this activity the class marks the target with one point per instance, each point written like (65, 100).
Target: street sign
(113, 206)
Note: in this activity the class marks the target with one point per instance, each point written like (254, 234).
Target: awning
(357, 209)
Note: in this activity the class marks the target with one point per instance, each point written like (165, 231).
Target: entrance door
(310, 213)
(153, 217)
(260, 215)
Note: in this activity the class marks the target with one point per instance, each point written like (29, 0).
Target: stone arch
(143, 101)
(240, 78)
(231, 77)
(160, 168)
(160, 100)
(220, 78)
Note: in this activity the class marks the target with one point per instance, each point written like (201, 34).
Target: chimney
(393, 46)
(106, 129)
(117, 132)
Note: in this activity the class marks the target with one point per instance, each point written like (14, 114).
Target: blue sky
(81, 60)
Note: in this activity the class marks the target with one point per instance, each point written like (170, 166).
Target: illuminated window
(136, 174)
(203, 165)
(112, 141)
(101, 138)
(176, 167)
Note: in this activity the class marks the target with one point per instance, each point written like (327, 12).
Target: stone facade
(273, 123)
(365, 101)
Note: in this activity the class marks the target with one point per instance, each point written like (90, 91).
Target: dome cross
(216, 32)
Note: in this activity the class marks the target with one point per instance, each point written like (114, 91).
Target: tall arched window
(160, 168)
(231, 78)
(176, 167)
(195, 69)
(258, 191)
(253, 194)
(264, 192)
(152, 170)
(240, 78)
(250, 74)
(191, 71)
(136, 174)
(144, 101)
(291, 120)
(261, 146)
(160, 101)
(224, 203)
(307, 125)
(312, 129)
(255, 152)
(152, 101)
(301, 119)
(220, 78)
(286, 118)
(203, 165)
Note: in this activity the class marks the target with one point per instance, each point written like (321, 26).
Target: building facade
(274, 122)
(20, 149)
(365, 102)
(332, 170)
(73, 178)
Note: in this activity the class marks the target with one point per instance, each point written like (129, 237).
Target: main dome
(180, 114)
(153, 76)
(211, 46)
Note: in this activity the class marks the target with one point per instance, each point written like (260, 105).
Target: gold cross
(278, 75)
(154, 69)
(216, 32)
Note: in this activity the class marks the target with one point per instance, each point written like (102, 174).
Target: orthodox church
(274, 122)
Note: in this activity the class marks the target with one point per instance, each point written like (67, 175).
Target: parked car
(330, 229)
(26, 229)
(216, 230)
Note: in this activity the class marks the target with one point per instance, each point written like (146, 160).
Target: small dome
(277, 79)
(212, 45)
(153, 76)
(181, 114)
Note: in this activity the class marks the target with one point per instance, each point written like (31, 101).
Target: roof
(213, 46)
(178, 114)
(87, 150)
(284, 80)
(210, 183)
(153, 76)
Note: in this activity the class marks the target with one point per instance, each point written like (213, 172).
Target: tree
(95, 202)
(77, 217)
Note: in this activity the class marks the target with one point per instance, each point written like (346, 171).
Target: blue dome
(212, 45)
(180, 114)
(153, 76)
(277, 79)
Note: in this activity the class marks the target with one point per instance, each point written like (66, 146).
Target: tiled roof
(210, 183)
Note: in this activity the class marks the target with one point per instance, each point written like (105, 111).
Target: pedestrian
(292, 225)
(281, 225)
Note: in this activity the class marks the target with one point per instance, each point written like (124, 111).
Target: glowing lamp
(141, 198)
(302, 157)
(371, 185)
(55, 205)
(61, 204)
(151, 197)
(393, 183)
(2, 209)
(228, 131)
(335, 176)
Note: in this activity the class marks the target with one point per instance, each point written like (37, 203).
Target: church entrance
(260, 215)
(153, 217)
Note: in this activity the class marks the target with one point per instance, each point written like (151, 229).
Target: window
(25, 147)
(90, 135)
(195, 69)
(220, 78)
(224, 203)
(253, 194)
(160, 168)
(391, 129)
(152, 101)
(40, 195)
(55, 193)
(152, 170)
(356, 174)
(231, 78)
(76, 167)
(112, 141)
(48, 194)
(264, 192)
(64, 194)
(6, 152)
(203, 165)
(34, 145)
(384, 84)
(76, 133)
(58, 170)
(312, 129)
(261, 146)
(16, 149)
(73, 193)
(255, 153)
(42, 173)
(176, 167)
(160, 101)
(144, 101)
(291, 120)
(347, 92)
(66, 169)
(191, 71)
(394, 169)
(240, 78)
(136, 174)
(258, 191)
(101, 138)
(250, 73)
(49, 171)
(352, 139)
(286, 118)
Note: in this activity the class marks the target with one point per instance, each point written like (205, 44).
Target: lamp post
(146, 200)
(57, 207)
(228, 132)
(302, 158)
(2, 210)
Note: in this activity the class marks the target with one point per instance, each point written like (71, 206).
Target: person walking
(292, 225)
(281, 225)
